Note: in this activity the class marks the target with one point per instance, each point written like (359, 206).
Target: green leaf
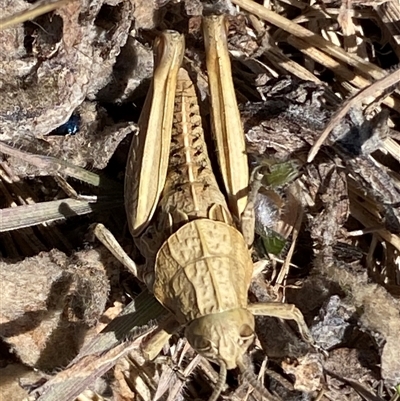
(280, 174)
(274, 244)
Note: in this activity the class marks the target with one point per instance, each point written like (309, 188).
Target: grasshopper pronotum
(198, 264)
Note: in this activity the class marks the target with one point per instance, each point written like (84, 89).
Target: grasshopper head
(222, 337)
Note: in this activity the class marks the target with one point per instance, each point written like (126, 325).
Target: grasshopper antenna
(250, 378)
(220, 382)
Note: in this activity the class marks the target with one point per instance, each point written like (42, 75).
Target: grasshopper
(194, 238)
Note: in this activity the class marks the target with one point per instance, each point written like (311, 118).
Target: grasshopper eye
(201, 344)
(246, 334)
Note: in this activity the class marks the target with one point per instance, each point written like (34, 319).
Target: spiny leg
(286, 312)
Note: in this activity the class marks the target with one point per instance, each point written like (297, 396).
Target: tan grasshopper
(198, 263)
